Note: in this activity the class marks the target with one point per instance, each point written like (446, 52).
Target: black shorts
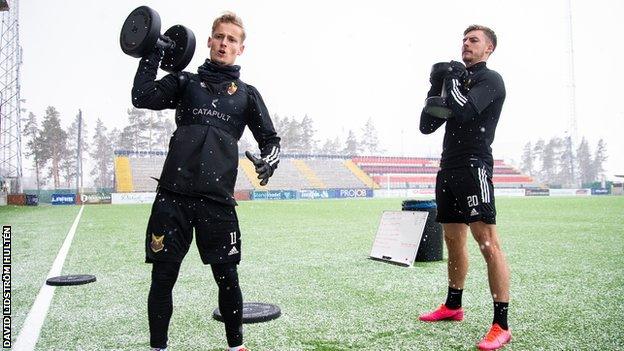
(465, 195)
(170, 229)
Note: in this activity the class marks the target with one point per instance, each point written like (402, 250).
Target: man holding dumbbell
(469, 99)
(195, 189)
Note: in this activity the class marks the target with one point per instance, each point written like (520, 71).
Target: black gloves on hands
(436, 104)
(441, 70)
(457, 70)
(263, 167)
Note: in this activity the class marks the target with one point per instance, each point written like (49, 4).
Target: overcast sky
(341, 62)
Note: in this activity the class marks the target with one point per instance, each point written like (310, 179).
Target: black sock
(500, 314)
(454, 298)
(230, 301)
(160, 301)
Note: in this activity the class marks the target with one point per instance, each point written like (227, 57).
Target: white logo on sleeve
(233, 251)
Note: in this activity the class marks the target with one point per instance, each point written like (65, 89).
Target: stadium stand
(134, 172)
(418, 172)
(246, 178)
(363, 176)
(334, 173)
(287, 177)
(309, 174)
(143, 169)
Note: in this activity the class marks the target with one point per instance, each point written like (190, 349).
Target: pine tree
(307, 143)
(331, 147)
(135, 136)
(586, 171)
(70, 163)
(164, 132)
(600, 157)
(370, 140)
(54, 144)
(566, 171)
(293, 136)
(114, 136)
(351, 145)
(550, 161)
(527, 162)
(32, 136)
(538, 151)
(102, 155)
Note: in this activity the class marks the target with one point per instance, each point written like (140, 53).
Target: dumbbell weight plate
(439, 70)
(180, 56)
(140, 31)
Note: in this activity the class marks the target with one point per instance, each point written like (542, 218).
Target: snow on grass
(310, 258)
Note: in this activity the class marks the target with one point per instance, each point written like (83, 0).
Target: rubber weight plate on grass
(73, 279)
(254, 312)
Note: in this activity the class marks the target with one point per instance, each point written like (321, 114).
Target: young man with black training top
(196, 187)
(470, 104)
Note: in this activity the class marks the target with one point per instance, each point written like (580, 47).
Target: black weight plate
(254, 312)
(140, 31)
(180, 56)
(436, 107)
(440, 69)
(74, 279)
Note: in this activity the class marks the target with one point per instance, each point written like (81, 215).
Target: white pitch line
(28, 336)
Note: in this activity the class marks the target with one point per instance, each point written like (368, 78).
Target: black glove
(154, 55)
(436, 106)
(263, 167)
(457, 70)
(438, 73)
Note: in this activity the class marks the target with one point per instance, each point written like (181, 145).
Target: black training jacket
(476, 103)
(212, 109)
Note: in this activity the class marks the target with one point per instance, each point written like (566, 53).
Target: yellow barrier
(250, 172)
(309, 174)
(123, 175)
(358, 172)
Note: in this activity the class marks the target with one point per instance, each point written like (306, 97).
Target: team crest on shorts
(157, 243)
(232, 88)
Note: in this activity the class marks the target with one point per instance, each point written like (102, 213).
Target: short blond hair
(229, 17)
(489, 33)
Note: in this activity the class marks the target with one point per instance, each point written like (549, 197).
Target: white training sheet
(398, 236)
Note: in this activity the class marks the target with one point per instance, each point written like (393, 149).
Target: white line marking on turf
(28, 336)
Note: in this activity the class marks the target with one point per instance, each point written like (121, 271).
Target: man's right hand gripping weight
(196, 186)
(469, 100)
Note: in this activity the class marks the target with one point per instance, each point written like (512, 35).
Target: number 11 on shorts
(233, 238)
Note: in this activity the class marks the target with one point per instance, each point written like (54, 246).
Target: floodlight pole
(10, 127)
(572, 89)
(79, 154)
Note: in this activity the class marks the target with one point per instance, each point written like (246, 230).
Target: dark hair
(489, 33)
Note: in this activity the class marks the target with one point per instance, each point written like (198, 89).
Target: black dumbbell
(140, 33)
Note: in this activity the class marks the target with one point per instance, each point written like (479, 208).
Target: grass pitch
(310, 258)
